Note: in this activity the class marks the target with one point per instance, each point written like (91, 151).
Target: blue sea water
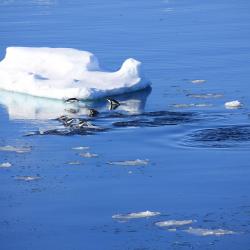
(198, 150)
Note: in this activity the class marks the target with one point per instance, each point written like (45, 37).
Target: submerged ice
(62, 73)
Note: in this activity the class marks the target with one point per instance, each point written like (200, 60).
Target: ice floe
(5, 165)
(192, 105)
(136, 162)
(233, 104)
(205, 95)
(208, 232)
(80, 148)
(176, 223)
(63, 73)
(198, 81)
(15, 149)
(88, 155)
(138, 215)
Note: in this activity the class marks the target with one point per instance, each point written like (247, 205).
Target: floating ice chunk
(80, 148)
(176, 223)
(192, 105)
(138, 215)
(205, 96)
(74, 163)
(136, 162)
(15, 149)
(208, 232)
(63, 73)
(233, 104)
(5, 165)
(198, 81)
(88, 155)
(28, 178)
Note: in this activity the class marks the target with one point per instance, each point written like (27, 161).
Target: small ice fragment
(198, 81)
(172, 229)
(74, 163)
(136, 162)
(191, 105)
(88, 155)
(208, 232)
(205, 96)
(233, 104)
(169, 223)
(80, 148)
(5, 165)
(15, 149)
(28, 178)
(138, 215)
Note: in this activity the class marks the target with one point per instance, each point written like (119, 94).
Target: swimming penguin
(71, 100)
(82, 124)
(113, 103)
(62, 118)
(68, 122)
(93, 112)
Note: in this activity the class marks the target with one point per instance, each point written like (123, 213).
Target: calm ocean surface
(195, 152)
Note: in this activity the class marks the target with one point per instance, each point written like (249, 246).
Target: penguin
(93, 112)
(62, 118)
(68, 122)
(72, 100)
(113, 103)
(82, 124)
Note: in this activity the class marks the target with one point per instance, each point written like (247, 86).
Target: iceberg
(62, 73)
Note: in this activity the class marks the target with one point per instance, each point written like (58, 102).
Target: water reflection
(21, 106)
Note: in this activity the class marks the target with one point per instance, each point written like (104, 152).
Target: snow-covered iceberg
(62, 73)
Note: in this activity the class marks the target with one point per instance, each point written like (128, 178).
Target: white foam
(233, 104)
(136, 162)
(208, 232)
(176, 223)
(15, 149)
(5, 165)
(63, 73)
(138, 215)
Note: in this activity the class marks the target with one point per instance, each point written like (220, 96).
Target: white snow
(62, 73)
(136, 162)
(232, 104)
(176, 223)
(207, 232)
(138, 215)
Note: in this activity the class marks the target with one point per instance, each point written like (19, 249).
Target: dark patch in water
(157, 118)
(68, 132)
(221, 137)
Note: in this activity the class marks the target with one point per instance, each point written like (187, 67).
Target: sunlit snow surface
(62, 73)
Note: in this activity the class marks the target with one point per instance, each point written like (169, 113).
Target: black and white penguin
(93, 112)
(71, 100)
(113, 103)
